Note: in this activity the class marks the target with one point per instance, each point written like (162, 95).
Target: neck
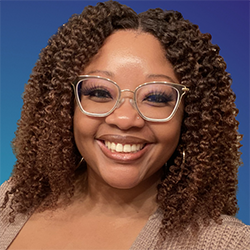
(139, 201)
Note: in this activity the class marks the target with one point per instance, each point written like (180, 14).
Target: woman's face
(129, 58)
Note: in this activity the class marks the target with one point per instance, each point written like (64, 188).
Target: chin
(123, 186)
(123, 182)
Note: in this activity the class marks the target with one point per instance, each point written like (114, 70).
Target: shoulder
(8, 230)
(6, 186)
(231, 234)
(4, 215)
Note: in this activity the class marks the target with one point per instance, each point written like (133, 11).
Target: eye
(96, 93)
(158, 99)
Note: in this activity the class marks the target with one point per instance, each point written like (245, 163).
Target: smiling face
(123, 150)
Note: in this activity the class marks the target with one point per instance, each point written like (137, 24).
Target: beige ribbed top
(232, 234)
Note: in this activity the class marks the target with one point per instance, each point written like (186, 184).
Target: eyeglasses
(155, 101)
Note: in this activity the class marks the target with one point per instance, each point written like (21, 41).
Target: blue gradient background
(27, 25)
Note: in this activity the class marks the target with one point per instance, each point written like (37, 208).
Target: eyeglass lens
(155, 100)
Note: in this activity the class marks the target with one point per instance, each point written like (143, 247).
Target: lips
(125, 148)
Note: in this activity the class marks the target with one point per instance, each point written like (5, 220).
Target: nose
(125, 116)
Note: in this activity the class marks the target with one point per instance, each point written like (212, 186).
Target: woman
(127, 139)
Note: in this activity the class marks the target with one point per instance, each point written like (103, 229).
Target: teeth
(112, 146)
(133, 148)
(126, 148)
(119, 148)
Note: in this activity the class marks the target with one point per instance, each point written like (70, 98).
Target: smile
(123, 148)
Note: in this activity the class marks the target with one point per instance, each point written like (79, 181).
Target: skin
(126, 59)
(121, 187)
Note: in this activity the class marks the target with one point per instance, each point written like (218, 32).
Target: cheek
(84, 129)
(169, 136)
(171, 130)
(79, 132)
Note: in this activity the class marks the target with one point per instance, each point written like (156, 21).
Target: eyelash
(87, 90)
(168, 97)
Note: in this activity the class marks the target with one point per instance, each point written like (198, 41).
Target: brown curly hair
(205, 183)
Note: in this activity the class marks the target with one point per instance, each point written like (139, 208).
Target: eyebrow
(107, 73)
(151, 76)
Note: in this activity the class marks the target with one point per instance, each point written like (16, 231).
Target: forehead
(130, 45)
(131, 55)
(129, 41)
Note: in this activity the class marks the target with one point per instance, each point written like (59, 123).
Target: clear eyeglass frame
(181, 90)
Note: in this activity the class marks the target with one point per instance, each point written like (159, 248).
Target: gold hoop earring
(183, 156)
(80, 162)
